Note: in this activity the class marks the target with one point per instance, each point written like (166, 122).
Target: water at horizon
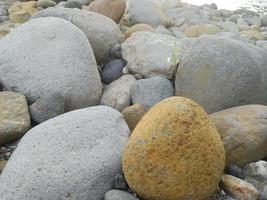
(259, 6)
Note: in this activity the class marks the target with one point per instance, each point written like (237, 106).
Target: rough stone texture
(243, 130)
(220, 73)
(38, 71)
(151, 54)
(21, 12)
(113, 9)
(145, 11)
(256, 174)
(117, 94)
(149, 92)
(138, 27)
(47, 107)
(14, 116)
(102, 32)
(73, 156)
(175, 152)
(112, 70)
(2, 165)
(119, 195)
(239, 189)
(133, 114)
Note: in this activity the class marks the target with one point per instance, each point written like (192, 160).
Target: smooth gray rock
(112, 71)
(47, 107)
(119, 195)
(151, 54)
(58, 59)
(102, 32)
(73, 156)
(46, 3)
(117, 94)
(219, 73)
(149, 92)
(73, 4)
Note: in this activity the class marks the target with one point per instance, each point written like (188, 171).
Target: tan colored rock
(243, 130)
(21, 12)
(19, 17)
(174, 153)
(4, 30)
(138, 27)
(14, 116)
(253, 34)
(2, 165)
(239, 189)
(197, 30)
(133, 114)
(29, 6)
(113, 9)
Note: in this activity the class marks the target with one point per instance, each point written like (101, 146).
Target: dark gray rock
(73, 4)
(119, 195)
(120, 183)
(220, 73)
(112, 71)
(235, 171)
(149, 92)
(47, 107)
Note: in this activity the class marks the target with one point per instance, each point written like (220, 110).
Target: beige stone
(2, 165)
(133, 114)
(239, 189)
(138, 27)
(253, 34)
(243, 130)
(113, 9)
(14, 116)
(197, 30)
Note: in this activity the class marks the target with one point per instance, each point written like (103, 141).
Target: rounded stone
(133, 114)
(113, 9)
(73, 4)
(243, 130)
(73, 156)
(148, 92)
(138, 27)
(175, 152)
(119, 195)
(39, 71)
(112, 71)
(102, 32)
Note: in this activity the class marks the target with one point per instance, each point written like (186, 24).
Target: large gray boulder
(151, 54)
(219, 73)
(50, 55)
(102, 32)
(73, 156)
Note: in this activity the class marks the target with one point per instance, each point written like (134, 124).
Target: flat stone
(14, 117)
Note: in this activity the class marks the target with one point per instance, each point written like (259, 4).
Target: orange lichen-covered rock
(174, 153)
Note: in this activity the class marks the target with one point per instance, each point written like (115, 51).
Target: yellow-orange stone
(174, 153)
(138, 27)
